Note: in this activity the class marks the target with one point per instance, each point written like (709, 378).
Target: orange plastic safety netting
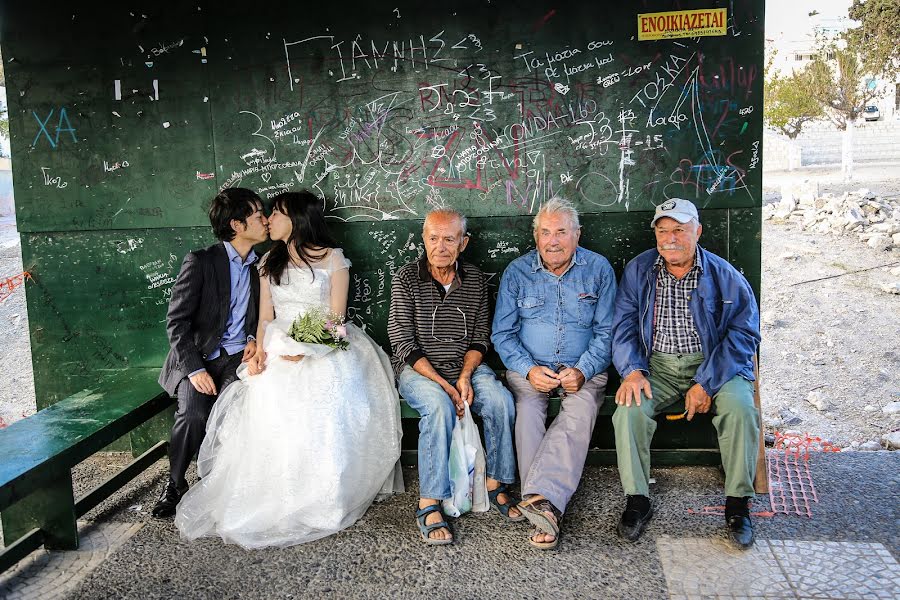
(791, 488)
(9, 285)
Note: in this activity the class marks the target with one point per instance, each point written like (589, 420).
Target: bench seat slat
(64, 434)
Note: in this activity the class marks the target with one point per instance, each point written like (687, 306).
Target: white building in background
(793, 34)
(4, 141)
(6, 189)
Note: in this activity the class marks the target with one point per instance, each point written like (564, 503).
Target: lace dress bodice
(302, 290)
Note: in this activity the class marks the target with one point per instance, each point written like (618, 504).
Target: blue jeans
(438, 416)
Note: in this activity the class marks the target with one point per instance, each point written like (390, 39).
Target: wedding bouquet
(317, 327)
(312, 334)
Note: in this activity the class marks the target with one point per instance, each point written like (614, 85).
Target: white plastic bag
(468, 479)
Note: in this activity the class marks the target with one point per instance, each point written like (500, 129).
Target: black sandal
(504, 508)
(425, 530)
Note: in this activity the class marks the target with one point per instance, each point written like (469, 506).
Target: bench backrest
(120, 140)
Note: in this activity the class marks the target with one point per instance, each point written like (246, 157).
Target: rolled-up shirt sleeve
(401, 322)
(481, 333)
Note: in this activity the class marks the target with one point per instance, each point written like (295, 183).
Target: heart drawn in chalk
(266, 177)
(562, 89)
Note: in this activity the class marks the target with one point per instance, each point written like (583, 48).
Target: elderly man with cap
(686, 326)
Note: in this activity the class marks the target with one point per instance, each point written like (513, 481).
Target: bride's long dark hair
(309, 237)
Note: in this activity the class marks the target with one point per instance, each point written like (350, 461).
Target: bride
(301, 446)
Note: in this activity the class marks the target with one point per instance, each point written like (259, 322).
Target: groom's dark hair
(230, 204)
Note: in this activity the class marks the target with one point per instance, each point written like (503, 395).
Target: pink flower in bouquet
(341, 331)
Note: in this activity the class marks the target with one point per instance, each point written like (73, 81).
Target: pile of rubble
(875, 221)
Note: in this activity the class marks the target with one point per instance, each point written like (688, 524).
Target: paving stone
(851, 570)
(45, 575)
(698, 567)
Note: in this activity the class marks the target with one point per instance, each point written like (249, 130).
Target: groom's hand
(249, 351)
(203, 383)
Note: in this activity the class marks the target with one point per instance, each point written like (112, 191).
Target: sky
(792, 16)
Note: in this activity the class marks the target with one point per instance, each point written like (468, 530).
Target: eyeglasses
(465, 334)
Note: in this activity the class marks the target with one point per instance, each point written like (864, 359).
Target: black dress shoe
(638, 512)
(737, 519)
(168, 500)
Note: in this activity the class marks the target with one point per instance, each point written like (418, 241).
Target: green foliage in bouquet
(317, 327)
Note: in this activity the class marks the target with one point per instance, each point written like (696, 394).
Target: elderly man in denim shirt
(552, 329)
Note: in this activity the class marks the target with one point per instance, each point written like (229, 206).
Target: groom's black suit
(198, 314)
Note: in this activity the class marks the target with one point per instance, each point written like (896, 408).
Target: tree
(788, 102)
(876, 38)
(788, 105)
(838, 83)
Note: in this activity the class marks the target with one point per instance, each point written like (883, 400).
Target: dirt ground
(836, 338)
(17, 392)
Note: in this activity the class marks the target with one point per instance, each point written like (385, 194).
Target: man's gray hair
(557, 205)
(448, 213)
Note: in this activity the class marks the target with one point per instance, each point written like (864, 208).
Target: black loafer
(737, 519)
(168, 501)
(638, 512)
(740, 531)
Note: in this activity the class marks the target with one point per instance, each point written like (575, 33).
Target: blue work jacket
(725, 315)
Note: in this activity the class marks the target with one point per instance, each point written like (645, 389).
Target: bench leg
(50, 509)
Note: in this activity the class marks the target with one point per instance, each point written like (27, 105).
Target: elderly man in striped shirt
(439, 330)
(686, 327)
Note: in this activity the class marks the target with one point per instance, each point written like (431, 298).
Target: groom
(211, 322)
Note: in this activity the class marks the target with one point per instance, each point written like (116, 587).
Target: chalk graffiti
(63, 125)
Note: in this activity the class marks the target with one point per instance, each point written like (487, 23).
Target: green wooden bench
(37, 503)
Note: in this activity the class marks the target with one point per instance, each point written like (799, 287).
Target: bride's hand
(292, 358)
(257, 363)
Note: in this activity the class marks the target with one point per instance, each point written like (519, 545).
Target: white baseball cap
(678, 209)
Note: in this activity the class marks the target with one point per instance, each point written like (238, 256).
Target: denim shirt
(555, 321)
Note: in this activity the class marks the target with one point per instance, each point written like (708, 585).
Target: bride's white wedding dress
(300, 451)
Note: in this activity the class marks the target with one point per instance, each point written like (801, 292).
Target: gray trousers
(551, 460)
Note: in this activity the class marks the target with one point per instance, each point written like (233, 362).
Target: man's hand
(543, 379)
(464, 387)
(696, 401)
(631, 388)
(292, 357)
(203, 383)
(257, 363)
(571, 379)
(249, 351)
(455, 398)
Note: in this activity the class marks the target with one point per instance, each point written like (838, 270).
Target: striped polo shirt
(441, 325)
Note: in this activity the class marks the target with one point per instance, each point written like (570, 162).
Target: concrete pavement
(848, 549)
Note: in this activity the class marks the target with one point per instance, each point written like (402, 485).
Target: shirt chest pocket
(587, 307)
(530, 307)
